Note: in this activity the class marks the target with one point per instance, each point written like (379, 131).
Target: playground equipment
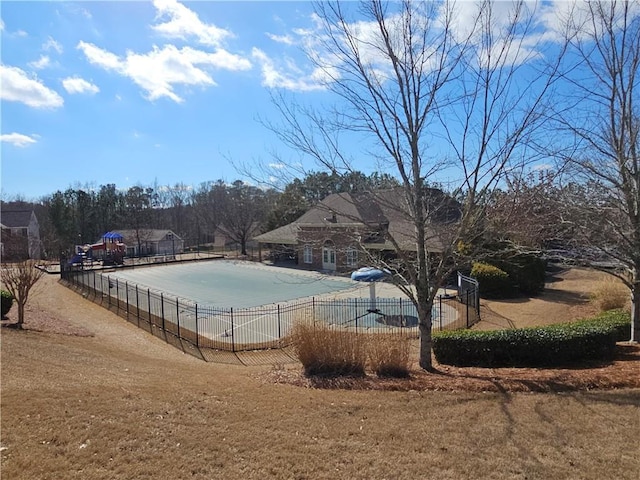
(110, 250)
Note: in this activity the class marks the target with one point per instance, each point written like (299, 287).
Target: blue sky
(141, 92)
(163, 92)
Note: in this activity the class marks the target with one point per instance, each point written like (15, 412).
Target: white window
(352, 257)
(308, 254)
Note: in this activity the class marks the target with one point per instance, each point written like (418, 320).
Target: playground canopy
(112, 236)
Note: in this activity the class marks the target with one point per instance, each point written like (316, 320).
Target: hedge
(553, 345)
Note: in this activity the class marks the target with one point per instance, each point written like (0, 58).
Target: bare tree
(438, 93)
(604, 130)
(19, 279)
(243, 212)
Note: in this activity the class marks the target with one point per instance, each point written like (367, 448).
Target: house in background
(342, 231)
(20, 235)
(145, 242)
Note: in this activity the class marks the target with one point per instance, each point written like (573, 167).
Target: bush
(610, 294)
(526, 271)
(325, 351)
(553, 345)
(6, 303)
(389, 355)
(494, 282)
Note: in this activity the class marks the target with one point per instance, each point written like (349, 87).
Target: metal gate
(469, 294)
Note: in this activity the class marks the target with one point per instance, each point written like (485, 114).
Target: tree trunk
(425, 324)
(20, 315)
(635, 313)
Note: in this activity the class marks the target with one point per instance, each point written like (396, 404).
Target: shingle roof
(15, 218)
(383, 211)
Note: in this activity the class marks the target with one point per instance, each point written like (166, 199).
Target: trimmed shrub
(494, 282)
(325, 351)
(618, 320)
(6, 301)
(553, 345)
(389, 355)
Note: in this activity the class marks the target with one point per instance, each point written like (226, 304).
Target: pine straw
(621, 373)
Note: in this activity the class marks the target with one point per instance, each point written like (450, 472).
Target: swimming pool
(234, 284)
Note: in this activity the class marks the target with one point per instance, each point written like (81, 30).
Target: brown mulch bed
(622, 372)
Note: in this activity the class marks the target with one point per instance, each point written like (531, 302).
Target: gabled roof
(285, 235)
(344, 208)
(15, 218)
(384, 212)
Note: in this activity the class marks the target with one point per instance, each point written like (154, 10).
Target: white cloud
(286, 75)
(17, 139)
(51, 44)
(286, 39)
(542, 167)
(161, 69)
(43, 62)
(17, 86)
(1, 25)
(100, 57)
(79, 85)
(184, 23)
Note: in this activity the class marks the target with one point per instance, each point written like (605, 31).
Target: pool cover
(228, 284)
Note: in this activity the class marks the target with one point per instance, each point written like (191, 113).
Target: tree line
(81, 215)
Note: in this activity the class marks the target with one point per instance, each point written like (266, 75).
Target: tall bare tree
(603, 120)
(438, 92)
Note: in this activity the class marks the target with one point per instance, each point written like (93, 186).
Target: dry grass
(326, 351)
(89, 408)
(323, 350)
(610, 293)
(389, 355)
(122, 404)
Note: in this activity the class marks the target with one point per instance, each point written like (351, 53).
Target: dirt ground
(87, 395)
(566, 297)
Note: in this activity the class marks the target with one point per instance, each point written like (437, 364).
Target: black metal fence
(195, 327)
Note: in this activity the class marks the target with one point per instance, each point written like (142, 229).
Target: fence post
(109, 290)
(162, 311)
(138, 306)
(177, 317)
(233, 343)
(149, 307)
(440, 310)
(118, 296)
(126, 286)
(467, 302)
(279, 328)
(197, 330)
(356, 317)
